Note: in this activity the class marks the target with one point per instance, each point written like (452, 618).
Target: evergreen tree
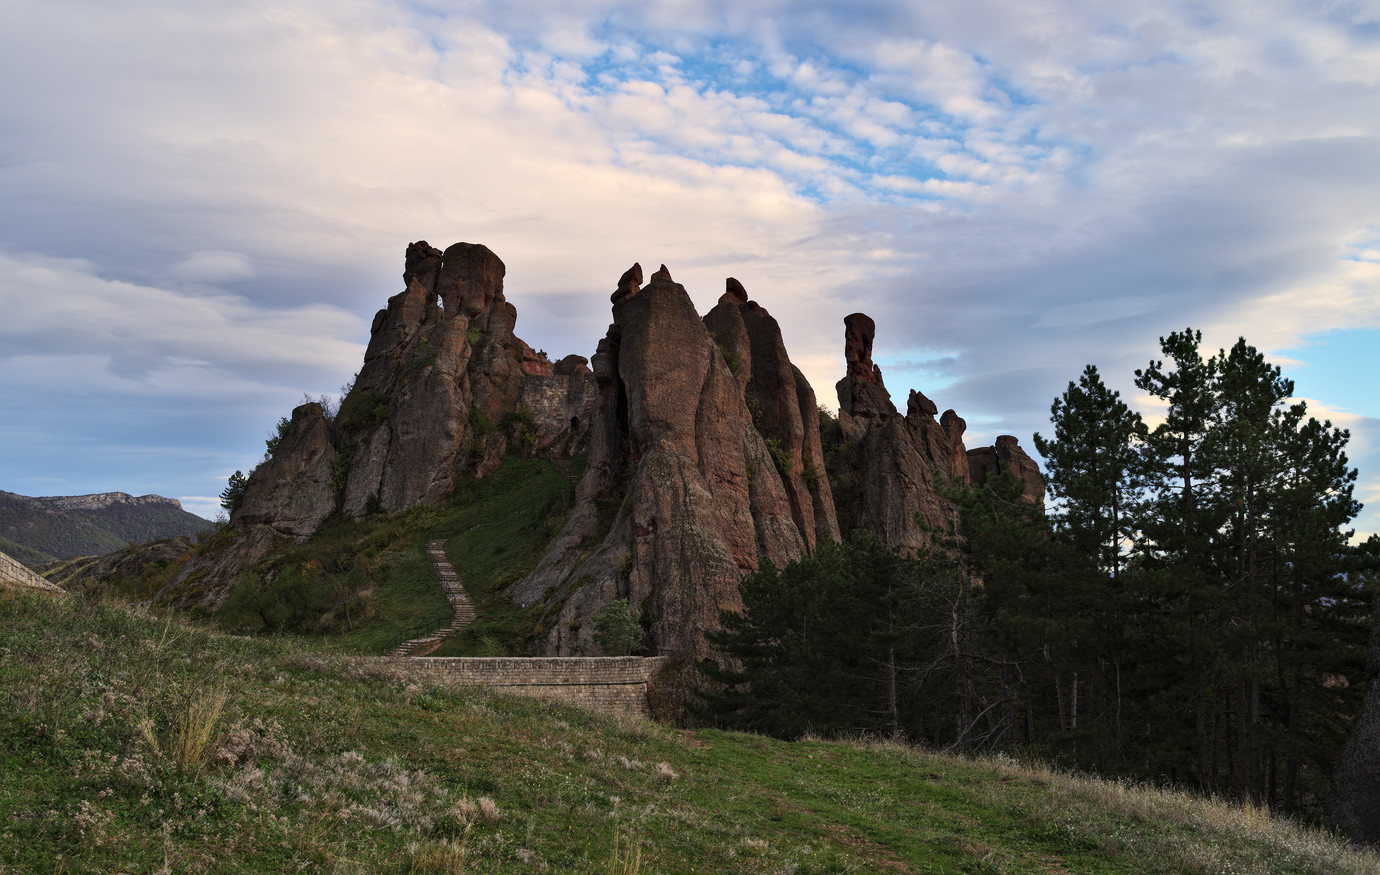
(232, 496)
(818, 645)
(1091, 464)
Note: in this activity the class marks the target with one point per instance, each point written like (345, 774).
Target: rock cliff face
(893, 459)
(444, 377)
(1355, 803)
(447, 389)
(681, 493)
(702, 442)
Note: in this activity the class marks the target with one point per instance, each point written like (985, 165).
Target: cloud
(58, 309)
(222, 196)
(213, 266)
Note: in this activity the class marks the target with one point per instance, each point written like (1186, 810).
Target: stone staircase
(462, 609)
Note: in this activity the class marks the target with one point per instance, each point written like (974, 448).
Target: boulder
(1355, 801)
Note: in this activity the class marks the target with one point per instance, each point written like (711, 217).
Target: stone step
(462, 609)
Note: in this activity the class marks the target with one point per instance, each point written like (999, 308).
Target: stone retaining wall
(611, 684)
(15, 573)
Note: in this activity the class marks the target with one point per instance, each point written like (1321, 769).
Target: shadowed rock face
(1007, 456)
(1355, 802)
(291, 493)
(899, 460)
(782, 407)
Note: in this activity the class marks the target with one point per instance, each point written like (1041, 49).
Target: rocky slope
(66, 526)
(1355, 803)
(702, 444)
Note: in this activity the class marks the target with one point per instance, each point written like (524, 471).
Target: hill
(131, 742)
(35, 530)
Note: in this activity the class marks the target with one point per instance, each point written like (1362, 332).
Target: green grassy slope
(28, 555)
(133, 743)
(495, 530)
(498, 533)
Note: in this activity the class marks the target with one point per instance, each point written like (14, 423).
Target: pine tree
(1092, 464)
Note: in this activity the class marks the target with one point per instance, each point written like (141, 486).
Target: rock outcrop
(444, 384)
(1355, 802)
(782, 405)
(293, 492)
(1007, 456)
(702, 443)
(681, 494)
(893, 463)
(892, 460)
(446, 390)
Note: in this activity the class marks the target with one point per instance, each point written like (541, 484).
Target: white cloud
(1209, 165)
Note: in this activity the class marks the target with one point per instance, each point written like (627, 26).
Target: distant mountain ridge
(36, 529)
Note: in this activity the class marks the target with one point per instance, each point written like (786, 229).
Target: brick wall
(611, 684)
(15, 573)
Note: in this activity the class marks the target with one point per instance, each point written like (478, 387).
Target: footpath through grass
(134, 743)
(495, 528)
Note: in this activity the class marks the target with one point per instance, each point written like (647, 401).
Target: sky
(202, 205)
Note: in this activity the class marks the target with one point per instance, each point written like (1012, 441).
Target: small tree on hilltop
(618, 628)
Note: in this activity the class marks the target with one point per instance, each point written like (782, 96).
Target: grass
(496, 529)
(318, 761)
(496, 534)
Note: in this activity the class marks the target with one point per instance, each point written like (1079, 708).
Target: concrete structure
(610, 684)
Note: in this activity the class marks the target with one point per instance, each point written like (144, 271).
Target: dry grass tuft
(624, 859)
(440, 857)
(196, 726)
(488, 810)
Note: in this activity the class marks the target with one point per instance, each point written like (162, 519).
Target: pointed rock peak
(662, 274)
(628, 283)
(858, 332)
(734, 291)
(919, 405)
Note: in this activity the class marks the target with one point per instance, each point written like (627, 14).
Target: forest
(1191, 608)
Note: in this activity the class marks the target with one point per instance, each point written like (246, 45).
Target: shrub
(618, 628)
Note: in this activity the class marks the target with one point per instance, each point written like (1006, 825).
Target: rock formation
(1355, 803)
(681, 494)
(702, 442)
(895, 459)
(1007, 456)
(782, 404)
(444, 383)
(446, 390)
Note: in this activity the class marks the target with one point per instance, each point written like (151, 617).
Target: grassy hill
(133, 743)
